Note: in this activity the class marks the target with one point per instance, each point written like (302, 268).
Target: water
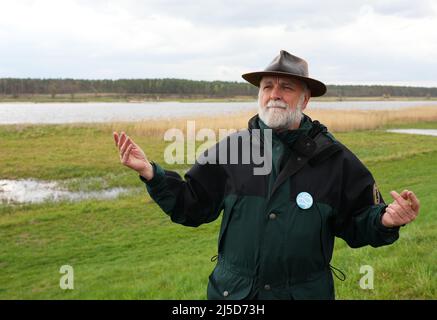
(34, 191)
(426, 132)
(14, 113)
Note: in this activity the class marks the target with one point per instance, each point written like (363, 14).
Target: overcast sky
(344, 41)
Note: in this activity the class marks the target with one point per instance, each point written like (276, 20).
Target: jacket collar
(302, 141)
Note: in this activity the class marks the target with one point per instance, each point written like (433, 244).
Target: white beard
(283, 117)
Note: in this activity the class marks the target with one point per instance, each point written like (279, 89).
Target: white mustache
(277, 104)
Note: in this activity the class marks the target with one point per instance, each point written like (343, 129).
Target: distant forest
(216, 89)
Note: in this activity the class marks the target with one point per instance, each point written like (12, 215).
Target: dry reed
(335, 120)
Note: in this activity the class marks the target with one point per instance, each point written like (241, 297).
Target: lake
(14, 113)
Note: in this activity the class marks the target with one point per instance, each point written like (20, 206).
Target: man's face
(281, 102)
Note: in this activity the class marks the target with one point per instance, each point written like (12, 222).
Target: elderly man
(278, 229)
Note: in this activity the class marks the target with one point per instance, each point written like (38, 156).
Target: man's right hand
(132, 156)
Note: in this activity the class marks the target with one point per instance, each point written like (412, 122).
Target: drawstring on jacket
(334, 269)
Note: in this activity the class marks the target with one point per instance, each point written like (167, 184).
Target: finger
(397, 220)
(126, 154)
(135, 145)
(408, 211)
(415, 203)
(115, 134)
(122, 139)
(395, 207)
(395, 195)
(404, 194)
(406, 216)
(133, 142)
(401, 201)
(138, 148)
(124, 146)
(391, 212)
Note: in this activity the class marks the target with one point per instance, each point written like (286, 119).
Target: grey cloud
(298, 13)
(405, 8)
(244, 13)
(364, 67)
(308, 30)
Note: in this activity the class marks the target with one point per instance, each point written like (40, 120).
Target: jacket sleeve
(197, 200)
(361, 206)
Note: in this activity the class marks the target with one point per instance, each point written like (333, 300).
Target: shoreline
(142, 99)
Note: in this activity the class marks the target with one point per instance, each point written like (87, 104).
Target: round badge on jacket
(304, 200)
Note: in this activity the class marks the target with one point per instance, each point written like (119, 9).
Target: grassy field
(127, 248)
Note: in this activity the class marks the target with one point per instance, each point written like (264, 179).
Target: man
(277, 233)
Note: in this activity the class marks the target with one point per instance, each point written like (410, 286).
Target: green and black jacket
(268, 247)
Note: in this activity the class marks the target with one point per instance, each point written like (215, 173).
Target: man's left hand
(402, 210)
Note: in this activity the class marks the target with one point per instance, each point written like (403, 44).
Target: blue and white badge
(304, 200)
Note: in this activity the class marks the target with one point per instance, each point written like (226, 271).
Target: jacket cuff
(158, 176)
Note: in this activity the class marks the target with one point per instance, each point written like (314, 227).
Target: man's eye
(288, 88)
(267, 87)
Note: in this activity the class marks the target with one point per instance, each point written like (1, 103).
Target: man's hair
(306, 90)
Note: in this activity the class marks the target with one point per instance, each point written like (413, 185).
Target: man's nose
(276, 94)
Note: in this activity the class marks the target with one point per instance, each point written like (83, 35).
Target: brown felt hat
(288, 65)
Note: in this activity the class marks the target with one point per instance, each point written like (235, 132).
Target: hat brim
(316, 87)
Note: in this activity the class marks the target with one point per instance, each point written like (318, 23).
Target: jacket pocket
(228, 285)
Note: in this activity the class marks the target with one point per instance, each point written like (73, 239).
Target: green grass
(128, 249)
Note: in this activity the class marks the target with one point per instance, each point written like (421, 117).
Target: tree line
(182, 87)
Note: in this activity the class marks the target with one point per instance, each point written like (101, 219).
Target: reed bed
(353, 120)
(335, 120)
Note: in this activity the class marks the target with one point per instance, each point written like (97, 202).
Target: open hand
(132, 156)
